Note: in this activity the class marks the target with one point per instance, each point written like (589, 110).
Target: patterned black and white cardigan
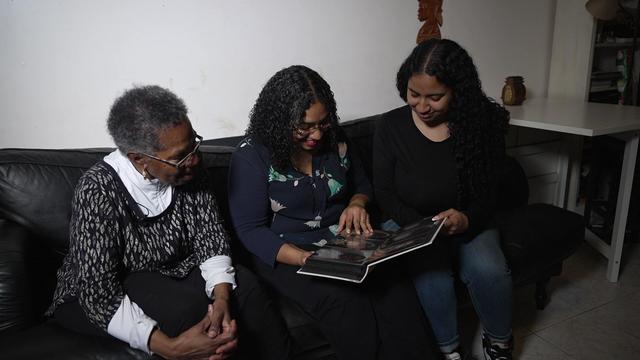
(110, 237)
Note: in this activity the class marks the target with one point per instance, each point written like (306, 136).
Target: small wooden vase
(513, 91)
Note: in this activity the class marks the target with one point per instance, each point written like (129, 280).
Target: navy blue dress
(271, 207)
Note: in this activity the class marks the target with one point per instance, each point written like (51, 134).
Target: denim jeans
(481, 266)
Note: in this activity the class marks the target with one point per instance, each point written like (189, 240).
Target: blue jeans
(481, 266)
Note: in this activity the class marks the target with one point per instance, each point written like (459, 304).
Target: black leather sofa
(35, 199)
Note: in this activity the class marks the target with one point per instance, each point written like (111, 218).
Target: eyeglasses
(180, 164)
(304, 129)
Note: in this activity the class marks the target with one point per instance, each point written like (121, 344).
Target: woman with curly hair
(438, 157)
(294, 181)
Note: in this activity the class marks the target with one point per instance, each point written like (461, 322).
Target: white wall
(63, 62)
(504, 38)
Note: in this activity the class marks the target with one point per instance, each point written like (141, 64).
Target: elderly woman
(295, 180)
(149, 259)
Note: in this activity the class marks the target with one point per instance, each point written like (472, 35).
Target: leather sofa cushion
(513, 187)
(15, 302)
(360, 133)
(36, 187)
(51, 341)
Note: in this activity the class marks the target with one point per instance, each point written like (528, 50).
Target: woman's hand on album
(292, 255)
(457, 222)
(355, 217)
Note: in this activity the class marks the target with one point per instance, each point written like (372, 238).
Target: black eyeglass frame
(179, 164)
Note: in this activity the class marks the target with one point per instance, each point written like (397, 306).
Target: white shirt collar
(152, 197)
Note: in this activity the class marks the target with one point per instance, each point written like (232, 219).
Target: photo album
(351, 257)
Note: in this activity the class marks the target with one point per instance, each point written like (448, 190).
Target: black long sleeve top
(415, 177)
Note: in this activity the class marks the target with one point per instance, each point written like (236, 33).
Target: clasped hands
(213, 338)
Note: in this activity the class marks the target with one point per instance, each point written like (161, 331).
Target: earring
(145, 173)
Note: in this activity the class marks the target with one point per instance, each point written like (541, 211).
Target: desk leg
(622, 206)
(574, 150)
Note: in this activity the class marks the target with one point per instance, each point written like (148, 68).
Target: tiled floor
(588, 317)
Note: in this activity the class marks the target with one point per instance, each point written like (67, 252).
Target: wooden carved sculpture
(429, 11)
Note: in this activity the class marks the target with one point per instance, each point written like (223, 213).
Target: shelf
(603, 89)
(605, 97)
(614, 45)
(605, 75)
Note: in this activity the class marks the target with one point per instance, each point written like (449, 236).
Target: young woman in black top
(438, 156)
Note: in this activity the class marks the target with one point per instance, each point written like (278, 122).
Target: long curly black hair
(477, 124)
(282, 104)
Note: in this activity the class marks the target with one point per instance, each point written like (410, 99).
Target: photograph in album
(351, 257)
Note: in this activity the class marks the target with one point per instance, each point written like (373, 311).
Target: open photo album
(351, 257)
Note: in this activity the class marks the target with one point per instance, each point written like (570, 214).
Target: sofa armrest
(15, 302)
(536, 237)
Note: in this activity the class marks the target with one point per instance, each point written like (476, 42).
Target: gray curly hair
(138, 115)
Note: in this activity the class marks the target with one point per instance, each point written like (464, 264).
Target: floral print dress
(271, 207)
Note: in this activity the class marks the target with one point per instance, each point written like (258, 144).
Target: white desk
(588, 119)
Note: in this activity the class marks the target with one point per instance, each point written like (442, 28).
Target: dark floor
(588, 316)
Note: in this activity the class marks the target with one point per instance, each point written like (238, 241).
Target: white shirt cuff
(216, 270)
(131, 325)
